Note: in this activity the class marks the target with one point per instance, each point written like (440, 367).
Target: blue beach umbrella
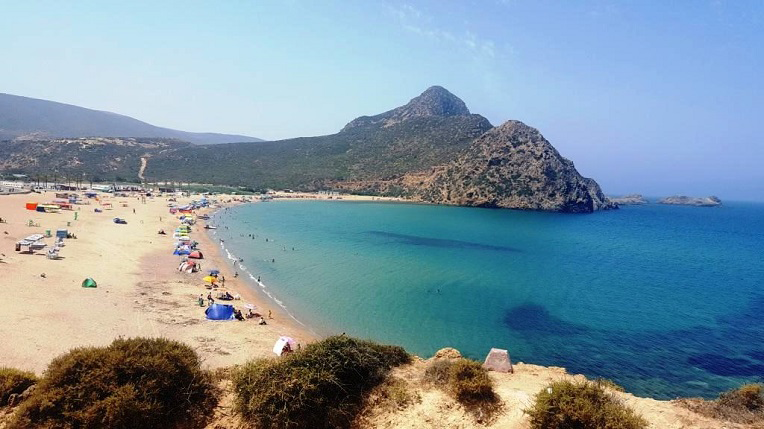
(214, 271)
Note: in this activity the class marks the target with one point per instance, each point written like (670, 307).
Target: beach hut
(284, 345)
(89, 282)
(219, 312)
(196, 255)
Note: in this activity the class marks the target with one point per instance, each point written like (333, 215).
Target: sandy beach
(140, 291)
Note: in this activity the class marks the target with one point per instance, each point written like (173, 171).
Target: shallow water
(665, 300)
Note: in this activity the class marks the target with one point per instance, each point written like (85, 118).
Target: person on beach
(270, 314)
(262, 321)
(235, 274)
(258, 279)
(210, 300)
(201, 300)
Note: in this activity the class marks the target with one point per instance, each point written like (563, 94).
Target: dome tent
(89, 282)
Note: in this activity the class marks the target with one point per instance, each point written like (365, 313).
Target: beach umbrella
(210, 279)
(214, 271)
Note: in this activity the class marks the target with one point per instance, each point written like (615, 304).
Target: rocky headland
(631, 199)
(511, 166)
(682, 200)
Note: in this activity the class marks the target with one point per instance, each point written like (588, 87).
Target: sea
(666, 301)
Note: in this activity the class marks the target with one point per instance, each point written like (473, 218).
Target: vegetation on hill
(85, 159)
(131, 383)
(581, 405)
(312, 163)
(321, 386)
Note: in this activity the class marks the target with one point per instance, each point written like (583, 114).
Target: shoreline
(253, 290)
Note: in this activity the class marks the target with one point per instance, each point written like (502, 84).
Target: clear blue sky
(657, 97)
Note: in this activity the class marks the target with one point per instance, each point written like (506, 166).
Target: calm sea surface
(665, 300)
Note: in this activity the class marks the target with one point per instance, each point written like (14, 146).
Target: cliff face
(511, 166)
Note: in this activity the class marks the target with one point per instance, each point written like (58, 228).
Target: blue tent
(181, 252)
(219, 312)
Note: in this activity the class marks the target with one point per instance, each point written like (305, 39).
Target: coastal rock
(511, 166)
(631, 199)
(682, 200)
(447, 353)
(498, 360)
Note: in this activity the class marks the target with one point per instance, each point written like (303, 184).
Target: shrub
(131, 383)
(438, 372)
(585, 405)
(320, 386)
(747, 397)
(468, 382)
(14, 381)
(742, 405)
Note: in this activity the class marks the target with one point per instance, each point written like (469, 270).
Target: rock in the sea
(498, 360)
(511, 166)
(631, 199)
(682, 200)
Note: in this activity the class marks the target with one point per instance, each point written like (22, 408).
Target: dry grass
(742, 405)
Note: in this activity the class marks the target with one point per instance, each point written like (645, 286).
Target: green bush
(14, 381)
(131, 383)
(320, 386)
(584, 405)
(468, 382)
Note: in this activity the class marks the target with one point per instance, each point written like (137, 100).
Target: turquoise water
(666, 301)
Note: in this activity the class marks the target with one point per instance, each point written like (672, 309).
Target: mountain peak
(435, 101)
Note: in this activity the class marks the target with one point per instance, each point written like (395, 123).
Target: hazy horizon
(647, 98)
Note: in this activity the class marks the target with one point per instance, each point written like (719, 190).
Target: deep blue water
(665, 300)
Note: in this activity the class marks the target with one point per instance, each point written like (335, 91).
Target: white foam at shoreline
(231, 257)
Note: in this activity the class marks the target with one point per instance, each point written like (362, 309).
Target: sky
(651, 97)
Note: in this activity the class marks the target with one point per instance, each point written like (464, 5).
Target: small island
(627, 200)
(682, 200)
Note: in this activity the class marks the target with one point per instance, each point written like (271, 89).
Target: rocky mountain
(511, 166)
(682, 200)
(34, 119)
(431, 149)
(631, 199)
(435, 101)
